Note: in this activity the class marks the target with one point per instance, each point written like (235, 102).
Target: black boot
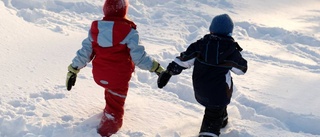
(207, 134)
(212, 122)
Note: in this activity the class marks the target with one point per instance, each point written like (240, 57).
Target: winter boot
(109, 125)
(212, 122)
(207, 134)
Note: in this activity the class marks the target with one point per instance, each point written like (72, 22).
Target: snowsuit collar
(120, 19)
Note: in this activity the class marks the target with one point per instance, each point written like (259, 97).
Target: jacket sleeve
(191, 52)
(186, 64)
(137, 51)
(83, 55)
(187, 58)
(237, 63)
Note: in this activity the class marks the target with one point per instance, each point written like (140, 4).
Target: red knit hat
(115, 8)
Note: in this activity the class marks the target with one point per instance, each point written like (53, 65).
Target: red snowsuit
(112, 69)
(113, 46)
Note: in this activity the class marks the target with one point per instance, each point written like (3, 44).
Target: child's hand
(174, 68)
(71, 80)
(157, 68)
(163, 79)
(71, 77)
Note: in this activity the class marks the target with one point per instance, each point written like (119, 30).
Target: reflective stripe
(225, 118)
(237, 71)
(187, 64)
(207, 134)
(109, 116)
(116, 94)
(228, 79)
(217, 61)
(104, 82)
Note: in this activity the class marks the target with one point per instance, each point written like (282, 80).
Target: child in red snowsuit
(113, 47)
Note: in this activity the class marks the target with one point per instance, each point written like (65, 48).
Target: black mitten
(71, 77)
(174, 69)
(163, 79)
(71, 80)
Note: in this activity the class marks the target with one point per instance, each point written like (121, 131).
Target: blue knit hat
(221, 24)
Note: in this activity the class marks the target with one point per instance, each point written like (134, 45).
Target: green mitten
(71, 77)
(156, 67)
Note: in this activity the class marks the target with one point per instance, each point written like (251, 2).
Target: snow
(279, 95)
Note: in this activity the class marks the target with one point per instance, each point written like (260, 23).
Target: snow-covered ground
(279, 96)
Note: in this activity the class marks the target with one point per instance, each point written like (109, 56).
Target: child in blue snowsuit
(213, 57)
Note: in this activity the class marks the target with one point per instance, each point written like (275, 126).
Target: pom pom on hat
(221, 24)
(115, 8)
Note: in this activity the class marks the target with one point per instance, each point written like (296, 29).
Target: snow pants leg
(113, 112)
(212, 121)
